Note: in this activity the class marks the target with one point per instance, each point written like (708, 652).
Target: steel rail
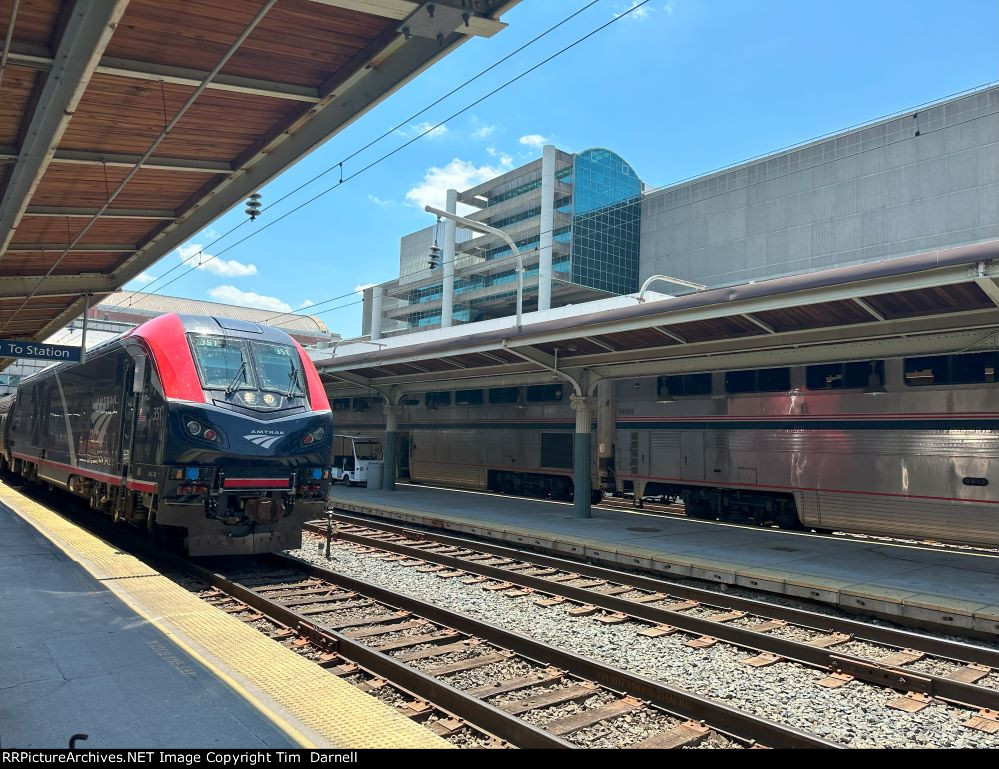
(721, 717)
(826, 658)
(471, 709)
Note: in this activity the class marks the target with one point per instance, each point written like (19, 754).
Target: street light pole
(471, 224)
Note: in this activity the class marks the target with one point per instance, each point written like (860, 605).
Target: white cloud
(232, 295)
(484, 131)
(379, 201)
(360, 289)
(435, 131)
(457, 175)
(143, 278)
(226, 268)
(306, 303)
(640, 13)
(534, 140)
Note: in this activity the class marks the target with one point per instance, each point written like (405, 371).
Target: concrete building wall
(875, 193)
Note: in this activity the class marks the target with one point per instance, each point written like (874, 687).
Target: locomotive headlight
(250, 398)
(318, 434)
(193, 427)
(270, 399)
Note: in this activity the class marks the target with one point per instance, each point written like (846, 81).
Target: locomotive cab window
(279, 368)
(222, 362)
(970, 368)
(763, 380)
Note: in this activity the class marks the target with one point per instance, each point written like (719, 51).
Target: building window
(340, 404)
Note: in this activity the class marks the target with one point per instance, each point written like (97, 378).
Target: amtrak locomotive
(213, 430)
(899, 447)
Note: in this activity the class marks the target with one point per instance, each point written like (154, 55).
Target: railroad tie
(573, 693)
(912, 702)
(683, 736)
(576, 721)
(470, 664)
(368, 632)
(415, 640)
(541, 678)
(986, 721)
(903, 657)
(437, 651)
(970, 673)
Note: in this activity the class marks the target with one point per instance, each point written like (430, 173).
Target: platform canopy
(932, 303)
(91, 190)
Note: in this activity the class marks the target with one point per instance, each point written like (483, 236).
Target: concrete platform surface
(75, 659)
(95, 641)
(912, 584)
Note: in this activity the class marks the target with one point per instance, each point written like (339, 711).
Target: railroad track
(484, 678)
(471, 682)
(920, 668)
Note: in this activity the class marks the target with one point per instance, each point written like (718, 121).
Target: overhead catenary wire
(399, 148)
(631, 202)
(391, 131)
(426, 272)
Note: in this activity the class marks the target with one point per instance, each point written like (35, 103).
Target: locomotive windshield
(237, 364)
(279, 368)
(221, 362)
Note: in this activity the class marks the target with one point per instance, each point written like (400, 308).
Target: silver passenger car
(900, 447)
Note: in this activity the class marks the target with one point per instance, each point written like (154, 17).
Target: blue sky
(678, 88)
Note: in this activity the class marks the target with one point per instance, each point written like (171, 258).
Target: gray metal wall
(870, 194)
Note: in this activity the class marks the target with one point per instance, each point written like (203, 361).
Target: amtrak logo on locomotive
(264, 438)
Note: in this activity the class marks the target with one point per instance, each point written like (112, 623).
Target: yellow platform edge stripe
(312, 707)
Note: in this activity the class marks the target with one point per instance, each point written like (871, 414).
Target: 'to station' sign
(18, 348)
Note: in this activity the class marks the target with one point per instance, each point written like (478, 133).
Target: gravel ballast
(854, 715)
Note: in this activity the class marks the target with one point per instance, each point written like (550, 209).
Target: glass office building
(606, 222)
(587, 204)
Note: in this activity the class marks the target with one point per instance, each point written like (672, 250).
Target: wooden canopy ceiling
(89, 86)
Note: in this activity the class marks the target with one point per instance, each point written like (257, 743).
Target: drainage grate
(787, 549)
(643, 529)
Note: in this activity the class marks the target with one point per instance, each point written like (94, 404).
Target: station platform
(908, 584)
(96, 642)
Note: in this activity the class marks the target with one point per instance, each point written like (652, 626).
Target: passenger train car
(899, 447)
(211, 429)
